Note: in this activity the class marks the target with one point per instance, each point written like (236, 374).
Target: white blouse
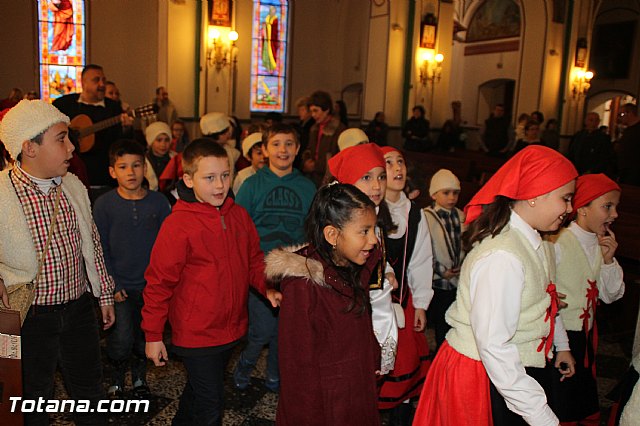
(420, 268)
(497, 282)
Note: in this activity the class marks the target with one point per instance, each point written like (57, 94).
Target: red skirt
(411, 367)
(456, 392)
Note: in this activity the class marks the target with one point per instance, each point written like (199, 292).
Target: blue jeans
(65, 336)
(263, 329)
(126, 339)
(202, 400)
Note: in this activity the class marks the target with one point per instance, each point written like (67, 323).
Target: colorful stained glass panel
(269, 55)
(61, 46)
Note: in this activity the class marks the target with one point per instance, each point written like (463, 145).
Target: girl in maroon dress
(327, 350)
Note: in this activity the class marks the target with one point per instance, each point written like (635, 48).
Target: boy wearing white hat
(252, 151)
(158, 135)
(43, 205)
(446, 224)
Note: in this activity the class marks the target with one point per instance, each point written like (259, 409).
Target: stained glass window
(269, 55)
(61, 40)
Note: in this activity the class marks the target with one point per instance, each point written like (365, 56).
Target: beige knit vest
(572, 274)
(532, 327)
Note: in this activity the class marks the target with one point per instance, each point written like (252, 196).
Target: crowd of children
(338, 281)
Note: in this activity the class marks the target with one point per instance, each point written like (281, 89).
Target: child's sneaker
(242, 374)
(115, 392)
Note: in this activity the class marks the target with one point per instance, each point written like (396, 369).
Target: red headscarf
(387, 149)
(351, 164)
(590, 187)
(534, 171)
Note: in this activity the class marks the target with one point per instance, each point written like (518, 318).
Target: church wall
(124, 40)
(18, 48)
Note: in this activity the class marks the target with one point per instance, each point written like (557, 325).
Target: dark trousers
(442, 300)
(65, 336)
(202, 400)
(502, 416)
(126, 338)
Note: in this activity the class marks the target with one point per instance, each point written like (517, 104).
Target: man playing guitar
(93, 103)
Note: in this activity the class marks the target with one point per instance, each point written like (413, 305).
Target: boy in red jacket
(206, 255)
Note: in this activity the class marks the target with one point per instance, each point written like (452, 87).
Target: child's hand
(413, 194)
(566, 364)
(420, 320)
(156, 352)
(308, 166)
(391, 277)
(121, 295)
(561, 304)
(275, 297)
(451, 273)
(608, 245)
(108, 316)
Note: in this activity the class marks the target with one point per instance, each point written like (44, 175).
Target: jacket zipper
(224, 225)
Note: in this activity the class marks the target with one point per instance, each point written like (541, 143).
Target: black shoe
(141, 392)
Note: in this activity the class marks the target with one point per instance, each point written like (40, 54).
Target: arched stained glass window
(269, 55)
(61, 41)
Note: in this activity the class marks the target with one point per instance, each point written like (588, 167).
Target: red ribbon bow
(587, 313)
(552, 311)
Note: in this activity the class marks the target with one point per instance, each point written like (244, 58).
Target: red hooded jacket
(202, 264)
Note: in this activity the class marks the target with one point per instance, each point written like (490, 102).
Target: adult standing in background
(323, 136)
(303, 128)
(165, 110)
(629, 145)
(497, 132)
(93, 103)
(591, 150)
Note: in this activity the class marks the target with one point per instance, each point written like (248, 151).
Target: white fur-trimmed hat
(27, 120)
(443, 179)
(249, 142)
(351, 137)
(214, 122)
(154, 129)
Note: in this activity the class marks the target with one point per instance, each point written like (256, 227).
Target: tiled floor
(256, 406)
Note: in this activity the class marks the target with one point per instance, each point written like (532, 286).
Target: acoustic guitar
(82, 129)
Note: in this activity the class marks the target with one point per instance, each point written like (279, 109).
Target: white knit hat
(351, 137)
(249, 142)
(443, 179)
(27, 120)
(155, 129)
(214, 122)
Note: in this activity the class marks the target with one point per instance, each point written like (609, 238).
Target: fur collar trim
(286, 262)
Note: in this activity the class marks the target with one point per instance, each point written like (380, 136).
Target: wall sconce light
(431, 68)
(581, 83)
(221, 53)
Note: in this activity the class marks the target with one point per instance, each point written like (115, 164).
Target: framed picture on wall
(220, 12)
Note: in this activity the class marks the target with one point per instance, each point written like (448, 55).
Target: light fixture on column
(221, 53)
(431, 67)
(581, 83)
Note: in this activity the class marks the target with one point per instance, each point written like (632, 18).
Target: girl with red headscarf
(409, 252)
(504, 324)
(586, 271)
(363, 166)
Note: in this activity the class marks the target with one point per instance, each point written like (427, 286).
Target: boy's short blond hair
(200, 148)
